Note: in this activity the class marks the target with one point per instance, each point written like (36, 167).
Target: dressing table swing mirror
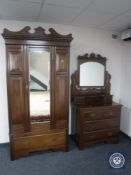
(38, 90)
(95, 117)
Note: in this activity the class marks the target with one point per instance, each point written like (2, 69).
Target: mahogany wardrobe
(38, 90)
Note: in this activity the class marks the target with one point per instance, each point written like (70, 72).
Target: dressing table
(95, 117)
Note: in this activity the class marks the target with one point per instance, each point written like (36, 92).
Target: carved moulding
(91, 57)
(38, 34)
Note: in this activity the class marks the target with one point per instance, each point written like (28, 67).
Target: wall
(126, 88)
(86, 40)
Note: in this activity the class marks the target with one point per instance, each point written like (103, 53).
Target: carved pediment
(38, 34)
(91, 57)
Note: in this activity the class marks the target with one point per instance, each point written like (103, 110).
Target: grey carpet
(91, 161)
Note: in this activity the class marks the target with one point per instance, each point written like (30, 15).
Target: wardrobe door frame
(42, 48)
(61, 83)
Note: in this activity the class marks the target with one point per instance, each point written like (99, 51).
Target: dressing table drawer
(89, 114)
(93, 100)
(110, 112)
(100, 135)
(101, 124)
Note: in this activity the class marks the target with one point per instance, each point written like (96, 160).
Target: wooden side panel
(16, 100)
(61, 87)
(15, 59)
(16, 86)
(61, 101)
(62, 57)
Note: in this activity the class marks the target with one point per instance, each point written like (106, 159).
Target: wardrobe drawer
(39, 142)
(100, 135)
(20, 143)
(49, 141)
(100, 124)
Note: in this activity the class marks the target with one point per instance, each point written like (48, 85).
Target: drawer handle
(55, 139)
(92, 137)
(92, 115)
(93, 126)
(25, 143)
(107, 114)
(110, 133)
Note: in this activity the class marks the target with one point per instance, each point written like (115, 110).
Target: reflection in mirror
(39, 71)
(91, 74)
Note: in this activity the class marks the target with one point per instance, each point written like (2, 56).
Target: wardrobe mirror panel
(39, 85)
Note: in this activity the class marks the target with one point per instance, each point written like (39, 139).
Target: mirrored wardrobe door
(39, 81)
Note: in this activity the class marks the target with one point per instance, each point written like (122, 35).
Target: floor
(91, 161)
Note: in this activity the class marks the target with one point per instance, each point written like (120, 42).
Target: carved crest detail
(91, 57)
(38, 34)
